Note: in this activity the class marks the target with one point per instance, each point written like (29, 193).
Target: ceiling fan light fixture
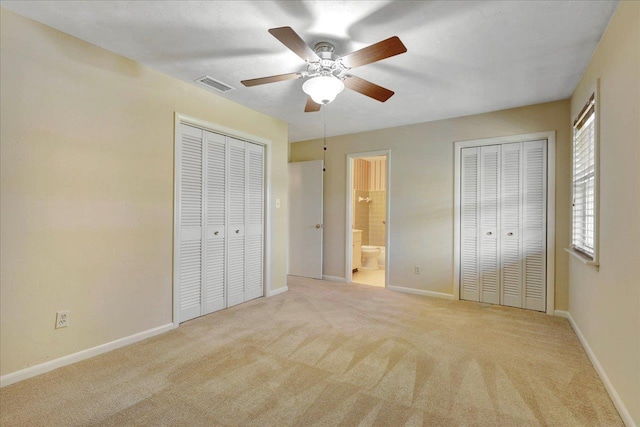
(323, 89)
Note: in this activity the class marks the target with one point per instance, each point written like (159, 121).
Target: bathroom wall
(361, 216)
(361, 179)
(377, 173)
(377, 218)
(378, 205)
(369, 181)
(361, 174)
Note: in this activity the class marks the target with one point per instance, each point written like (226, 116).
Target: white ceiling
(464, 57)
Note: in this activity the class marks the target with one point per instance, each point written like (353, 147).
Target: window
(583, 235)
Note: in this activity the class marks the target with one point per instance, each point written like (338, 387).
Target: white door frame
(180, 119)
(551, 206)
(349, 204)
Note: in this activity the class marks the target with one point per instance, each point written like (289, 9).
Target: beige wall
(605, 304)
(87, 191)
(421, 168)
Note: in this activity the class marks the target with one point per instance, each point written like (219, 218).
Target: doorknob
(237, 231)
(489, 233)
(509, 234)
(318, 226)
(216, 233)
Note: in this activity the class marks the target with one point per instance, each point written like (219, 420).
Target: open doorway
(367, 240)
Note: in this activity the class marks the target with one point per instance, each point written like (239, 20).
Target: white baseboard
(334, 279)
(41, 368)
(277, 291)
(420, 292)
(622, 409)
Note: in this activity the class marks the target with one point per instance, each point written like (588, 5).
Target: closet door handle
(489, 233)
(509, 234)
(237, 231)
(215, 233)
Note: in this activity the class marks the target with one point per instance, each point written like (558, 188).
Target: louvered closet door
(190, 223)
(237, 200)
(489, 251)
(469, 222)
(534, 224)
(511, 222)
(503, 224)
(254, 234)
(213, 291)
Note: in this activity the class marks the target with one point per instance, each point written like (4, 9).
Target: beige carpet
(332, 354)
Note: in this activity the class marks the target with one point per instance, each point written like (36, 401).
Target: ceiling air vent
(214, 84)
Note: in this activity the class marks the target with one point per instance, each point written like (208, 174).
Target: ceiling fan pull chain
(324, 148)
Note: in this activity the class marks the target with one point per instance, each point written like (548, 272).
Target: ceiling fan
(329, 76)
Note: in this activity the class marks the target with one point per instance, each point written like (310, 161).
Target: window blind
(584, 156)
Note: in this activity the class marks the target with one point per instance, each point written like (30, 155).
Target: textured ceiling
(464, 57)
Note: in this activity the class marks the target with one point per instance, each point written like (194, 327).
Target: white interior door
(237, 200)
(511, 224)
(534, 228)
(469, 224)
(503, 224)
(489, 224)
(254, 230)
(220, 218)
(215, 183)
(305, 219)
(189, 194)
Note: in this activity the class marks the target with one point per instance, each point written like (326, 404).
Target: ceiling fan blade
(292, 40)
(367, 88)
(311, 106)
(376, 52)
(271, 79)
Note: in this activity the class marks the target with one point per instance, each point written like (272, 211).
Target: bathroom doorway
(367, 237)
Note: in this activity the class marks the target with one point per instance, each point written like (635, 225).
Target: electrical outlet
(416, 270)
(62, 319)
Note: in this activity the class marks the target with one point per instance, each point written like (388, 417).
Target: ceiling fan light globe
(323, 89)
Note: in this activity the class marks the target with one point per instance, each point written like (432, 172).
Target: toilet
(370, 257)
(381, 258)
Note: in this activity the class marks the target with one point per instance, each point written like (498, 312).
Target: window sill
(583, 259)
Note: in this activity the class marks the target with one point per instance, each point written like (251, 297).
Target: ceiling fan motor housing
(324, 50)
(327, 65)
